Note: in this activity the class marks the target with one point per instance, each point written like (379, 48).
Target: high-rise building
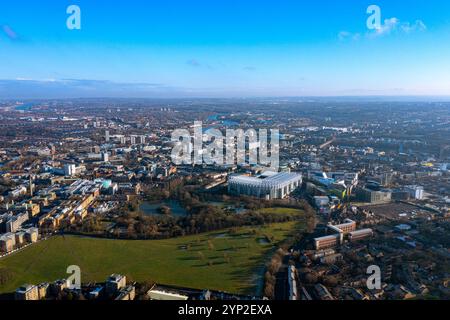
(69, 170)
(415, 192)
(105, 156)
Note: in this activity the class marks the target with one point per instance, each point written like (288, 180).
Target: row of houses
(11, 241)
(115, 288)
(81, 195)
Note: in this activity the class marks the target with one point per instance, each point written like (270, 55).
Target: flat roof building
(375, 196)
(360, 234)
(346, 227)
(155, 294)
(340, 230)
(327, 241)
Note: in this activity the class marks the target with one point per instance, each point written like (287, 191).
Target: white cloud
(395, 25)
(390, 26)
(344, 35)
(417, 26)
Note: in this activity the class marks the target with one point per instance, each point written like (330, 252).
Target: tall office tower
(107, 137)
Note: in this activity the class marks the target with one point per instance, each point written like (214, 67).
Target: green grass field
(228, 261)
(281, 210)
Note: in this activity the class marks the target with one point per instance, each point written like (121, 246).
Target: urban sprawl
(359, 184)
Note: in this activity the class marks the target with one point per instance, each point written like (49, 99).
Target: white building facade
(416, 192)
(270, 185)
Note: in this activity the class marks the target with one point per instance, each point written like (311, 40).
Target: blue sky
(223, 48)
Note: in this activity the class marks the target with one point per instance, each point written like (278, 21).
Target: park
(230, 260)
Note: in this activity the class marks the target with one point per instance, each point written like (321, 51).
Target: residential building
(115, 283)
(27, 292)
(7, 242)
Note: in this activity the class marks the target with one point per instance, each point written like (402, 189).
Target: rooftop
(266, 179)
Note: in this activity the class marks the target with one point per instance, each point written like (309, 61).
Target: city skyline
(173, 49)
(218, 158)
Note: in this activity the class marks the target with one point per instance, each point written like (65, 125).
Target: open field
(281, 210)
(225, 260)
